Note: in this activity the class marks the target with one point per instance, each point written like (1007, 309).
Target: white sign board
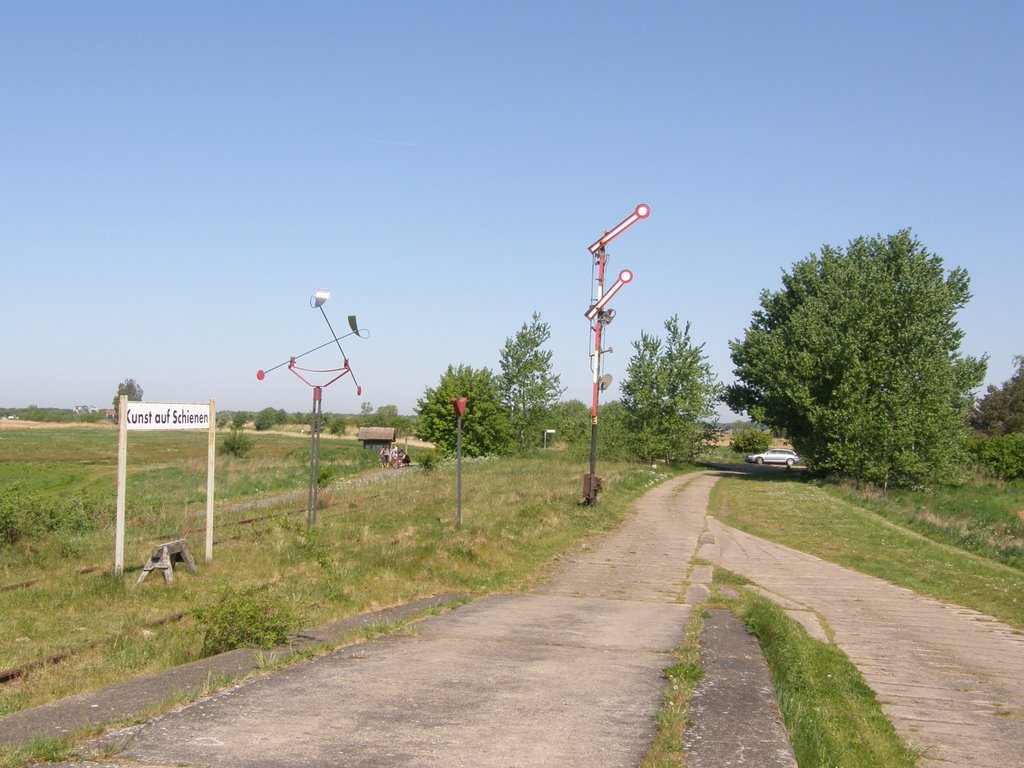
(140, 416)
(137, 416)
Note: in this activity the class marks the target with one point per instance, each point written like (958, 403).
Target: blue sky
(176, 179)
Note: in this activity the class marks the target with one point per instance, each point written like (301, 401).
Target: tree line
(855, 359)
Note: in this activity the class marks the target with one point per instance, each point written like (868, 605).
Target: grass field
(838, 525)
(381, 538)
(387, 537)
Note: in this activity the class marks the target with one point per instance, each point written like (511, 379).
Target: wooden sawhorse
(163, 557)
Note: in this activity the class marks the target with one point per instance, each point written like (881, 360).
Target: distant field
(83, 459)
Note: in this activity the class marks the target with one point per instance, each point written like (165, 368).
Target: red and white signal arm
(625, 276)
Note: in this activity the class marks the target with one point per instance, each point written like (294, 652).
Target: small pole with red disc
(459, 404)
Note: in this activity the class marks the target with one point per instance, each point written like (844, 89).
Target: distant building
(80, 409)
(375, 438)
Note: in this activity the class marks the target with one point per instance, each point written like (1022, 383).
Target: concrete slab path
(950, 679)
(570, 674)
(734, 719)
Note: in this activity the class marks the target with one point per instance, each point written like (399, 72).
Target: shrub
(236, 444)
(264, 420)
(17, 510)
(325, 475)
(74, 514)
(244, 619)
(750, 441)
(427, 460)
(1001, 456)
(24, 512)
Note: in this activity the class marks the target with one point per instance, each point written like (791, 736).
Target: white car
(774, 456)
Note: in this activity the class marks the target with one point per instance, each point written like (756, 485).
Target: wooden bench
(162, 558)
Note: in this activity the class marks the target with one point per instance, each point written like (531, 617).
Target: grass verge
(832, 716)
(980, 517)
(681, 678)
(821, 522)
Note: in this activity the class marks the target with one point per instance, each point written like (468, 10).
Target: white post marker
(140, 416)
(211, 454)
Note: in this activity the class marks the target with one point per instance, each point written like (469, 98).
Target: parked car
(774, 456)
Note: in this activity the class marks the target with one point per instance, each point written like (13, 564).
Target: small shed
(375, 438)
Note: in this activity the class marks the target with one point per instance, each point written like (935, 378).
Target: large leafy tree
(857, 361)
(128, 387)
(1001, 410)
(571, 420)
(670, 394)
(528, 386)
(485, 427)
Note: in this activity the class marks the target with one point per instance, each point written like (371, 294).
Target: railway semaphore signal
(599, 316)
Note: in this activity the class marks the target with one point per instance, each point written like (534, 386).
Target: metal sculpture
(317, 301)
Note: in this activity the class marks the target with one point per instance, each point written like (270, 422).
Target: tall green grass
(980, 517)
(833, 717)
(379, 540)
(836, 527)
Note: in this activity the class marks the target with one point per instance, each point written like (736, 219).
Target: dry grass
(376, 543)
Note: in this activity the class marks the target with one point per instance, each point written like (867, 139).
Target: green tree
(265, 419)
(857, 361)
(385, 416)
(571, 422)
(528, 386)
(485, 427)
(365, 413)
(128, 387)
(750, 440)
(237, 443)
(239, 418)
(1001, 455)
(614, 438)
(670, 394)
(1001, 410)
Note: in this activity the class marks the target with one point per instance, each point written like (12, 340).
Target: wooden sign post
(134, 415)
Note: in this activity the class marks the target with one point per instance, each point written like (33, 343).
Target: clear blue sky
(176, 179)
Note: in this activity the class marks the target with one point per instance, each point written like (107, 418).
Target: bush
(24, 512)
(264, 420)
(17, 510)
(750, 441)
(236, 444)
(325, 475)
(1001, 456)
(73, 514)
(427, 460)
(244, 619)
